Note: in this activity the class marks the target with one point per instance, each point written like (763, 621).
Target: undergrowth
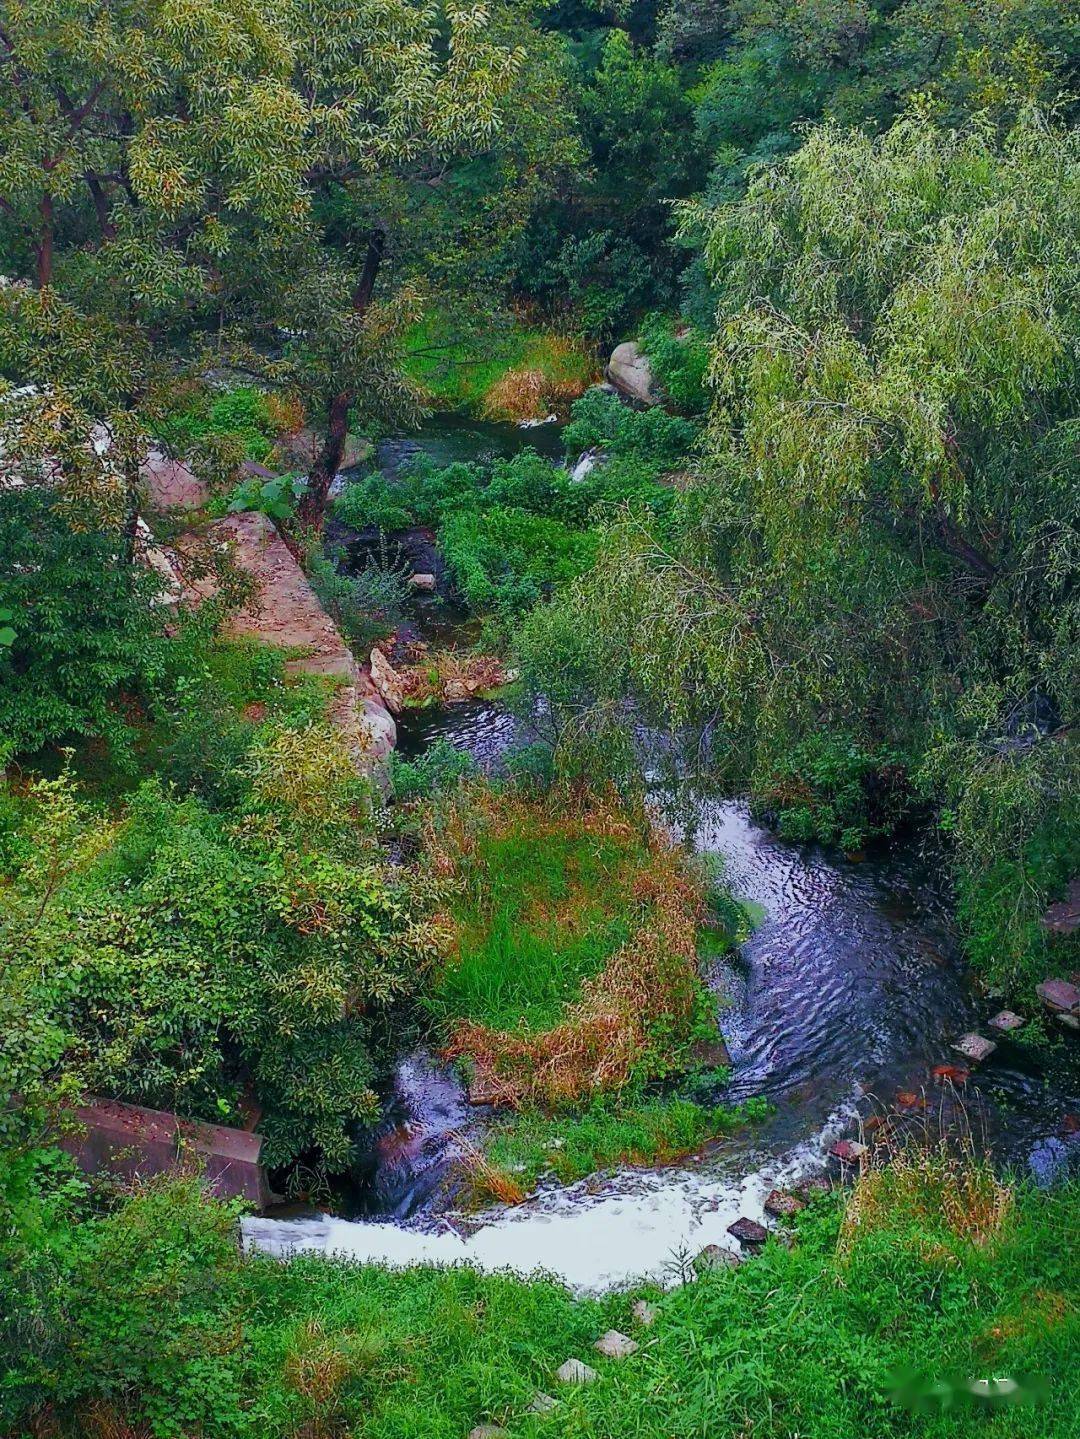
(148, 1320)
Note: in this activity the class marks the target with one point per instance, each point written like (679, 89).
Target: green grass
(609, 1134)
(457, 365)
(541, 913)
(152, 1313)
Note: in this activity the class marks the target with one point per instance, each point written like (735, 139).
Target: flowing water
(849, 991)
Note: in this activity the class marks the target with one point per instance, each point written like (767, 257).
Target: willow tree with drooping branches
(875, 580)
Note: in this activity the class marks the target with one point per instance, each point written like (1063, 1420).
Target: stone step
(748, 1232)
(714, 1256)
(848, 1151)
(783, 1205)
(974, 1047)
(573, 1371)
(1005, 1020)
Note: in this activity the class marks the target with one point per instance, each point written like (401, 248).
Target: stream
(851, 988)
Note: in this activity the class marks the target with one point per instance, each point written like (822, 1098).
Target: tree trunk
(44, 247)
(312, 508)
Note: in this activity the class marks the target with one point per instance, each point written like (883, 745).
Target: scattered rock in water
(783, 1205)
(1048, 1161)
(573, 1371)
(1062, 999)
(425, 583)
(1005, 1021)
(974, 1047)
(613, 1345)
(644, 1312)
(748, 1232)
(950, 1074)
(848, 1151)
(714, 1256)
(908, 1099)
(542, 1403)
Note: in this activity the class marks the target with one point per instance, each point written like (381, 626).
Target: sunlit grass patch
(608, 1134)
(507, 372)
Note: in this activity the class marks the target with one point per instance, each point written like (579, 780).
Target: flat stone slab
(715, 1256)
(542, 1403)
(1059, 995)
(848, 1151)
(783, 1205)
(613, 1345)
(572, 1371)
(644, 1312)
(1005, 1021)
(975, 1047)
(748, 1231)
(488, 1431)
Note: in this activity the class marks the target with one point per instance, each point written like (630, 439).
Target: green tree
(884, 543)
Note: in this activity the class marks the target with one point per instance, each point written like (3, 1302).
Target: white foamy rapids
(586, 463)
(643, 1225)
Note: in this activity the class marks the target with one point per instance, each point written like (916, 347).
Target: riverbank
(933, 1302)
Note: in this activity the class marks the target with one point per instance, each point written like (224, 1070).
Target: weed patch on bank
(575, 960)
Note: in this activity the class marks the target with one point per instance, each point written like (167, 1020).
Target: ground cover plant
(880, 1318)
(574, 960)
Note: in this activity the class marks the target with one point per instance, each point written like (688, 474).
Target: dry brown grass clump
(530, 392)
(949, 1195)
(654, 975)
(448, 676)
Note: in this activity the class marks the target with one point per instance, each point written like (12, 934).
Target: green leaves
(7, 633)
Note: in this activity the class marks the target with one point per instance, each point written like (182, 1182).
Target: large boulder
(169, 484)
(387, 681)
(301, 449)
(631, 374)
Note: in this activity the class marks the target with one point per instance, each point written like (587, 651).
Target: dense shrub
(173, 956)
(83, 617)
(248, 418)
